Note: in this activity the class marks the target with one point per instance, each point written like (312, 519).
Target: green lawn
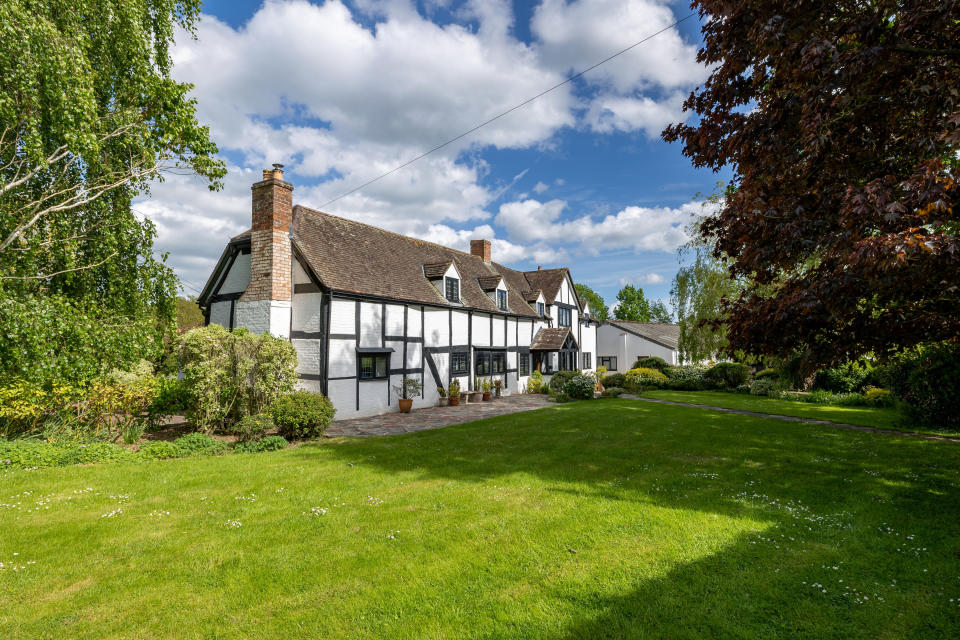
(882, 418)
(602, 519)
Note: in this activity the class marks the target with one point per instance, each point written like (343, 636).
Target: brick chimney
(481, 248)
(265, 304)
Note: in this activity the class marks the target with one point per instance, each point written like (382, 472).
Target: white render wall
(627, 347)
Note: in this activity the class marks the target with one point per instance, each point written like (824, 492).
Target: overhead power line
(508, 111)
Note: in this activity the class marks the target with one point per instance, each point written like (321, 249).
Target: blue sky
(340, 92)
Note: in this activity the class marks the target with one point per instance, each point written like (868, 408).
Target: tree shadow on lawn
(831, 499)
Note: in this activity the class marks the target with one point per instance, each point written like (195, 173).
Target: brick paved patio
(436, 417)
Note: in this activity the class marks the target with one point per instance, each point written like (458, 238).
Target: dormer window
(502, 299)
(452, 289)
(540, 310)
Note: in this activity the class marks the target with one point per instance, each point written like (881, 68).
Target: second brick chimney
(481, 248)
(265, 304)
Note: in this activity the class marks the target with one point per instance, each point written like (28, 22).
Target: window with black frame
(489, 362)
(523, 365)
(610, 362)
(502, 299)
(459, 363)
(499, 362)
(481, 363)
(452, 289)
(563, 317)
(540, 309)
(373, 366)
(587, 360)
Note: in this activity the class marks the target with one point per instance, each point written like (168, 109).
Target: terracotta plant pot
(405, 404)
(486, 396)
(454, 401)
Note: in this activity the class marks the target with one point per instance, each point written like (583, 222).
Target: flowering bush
(231, 374)
(535, 384)
(687, 377)
(638, 379)
(580, 387)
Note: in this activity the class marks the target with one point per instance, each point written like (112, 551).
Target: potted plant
(406, 390)
(443, 396)
(454, 393)
(476, 394)
(498, 387)
(485, 386)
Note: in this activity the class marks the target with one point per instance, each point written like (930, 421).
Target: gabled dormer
(496, 289)
(536, 301)
(445, 277)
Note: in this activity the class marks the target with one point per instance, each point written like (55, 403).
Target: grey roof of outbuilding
(665, 334)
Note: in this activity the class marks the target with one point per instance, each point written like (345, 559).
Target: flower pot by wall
(405, 404)
(442, 402)
(454, 401)
(486, 396)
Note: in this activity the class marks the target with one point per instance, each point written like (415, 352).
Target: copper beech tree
(841, 121)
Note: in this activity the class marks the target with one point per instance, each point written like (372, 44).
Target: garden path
(436, 417)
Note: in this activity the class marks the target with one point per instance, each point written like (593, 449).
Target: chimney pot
(481, 248)
(539, 268)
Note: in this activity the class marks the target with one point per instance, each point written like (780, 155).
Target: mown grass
(602, 519)
(879, 417)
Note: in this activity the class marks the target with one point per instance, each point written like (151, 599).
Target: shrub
(927, 379)
(651, 362)
(850, 376)
(728, 374)
(270, 443)
(535, 383)
(876, 397)
(612, 392)
(580, 387)
(820, 396)
(301, 414)
(763, 386)
(560, 396)
(637, 379)
(250, 428)
(687, 378)
(173, 397)
(52, 339)
(743, 388)
(231, 374)
(199, 444)
(560, 379)
(769, 372)
(159, 450)
(614, 380)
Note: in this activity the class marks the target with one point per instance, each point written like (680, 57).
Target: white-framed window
(563, 317)
(540, 309)
(502, 299)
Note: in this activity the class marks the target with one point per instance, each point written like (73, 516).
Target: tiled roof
(352, 257)
(490, 283)
(547, 280)
(664, 334)
(550, 339)
(436, 270)
(531, 296)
